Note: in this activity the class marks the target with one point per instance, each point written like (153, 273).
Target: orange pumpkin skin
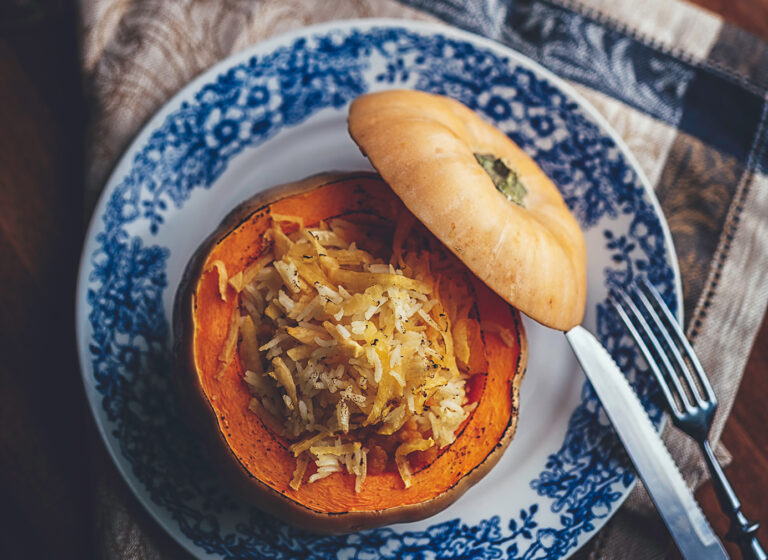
(256, 461)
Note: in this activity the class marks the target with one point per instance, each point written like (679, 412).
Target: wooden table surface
(44, 487)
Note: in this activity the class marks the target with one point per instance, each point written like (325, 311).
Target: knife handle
(742, 531)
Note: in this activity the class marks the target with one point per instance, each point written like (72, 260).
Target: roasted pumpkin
(481, 195)
(254, 454)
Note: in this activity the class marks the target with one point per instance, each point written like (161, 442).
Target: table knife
(655, 466)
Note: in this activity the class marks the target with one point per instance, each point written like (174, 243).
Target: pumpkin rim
(207, 424)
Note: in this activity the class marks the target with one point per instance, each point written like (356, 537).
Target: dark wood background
(44, 423)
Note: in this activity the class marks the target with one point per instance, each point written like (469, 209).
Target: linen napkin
(686, 91)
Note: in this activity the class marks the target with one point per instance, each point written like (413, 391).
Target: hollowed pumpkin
(255, 459)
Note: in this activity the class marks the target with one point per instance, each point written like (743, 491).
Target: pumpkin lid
(481, 195)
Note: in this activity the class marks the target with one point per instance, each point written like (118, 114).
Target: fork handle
(742, 531)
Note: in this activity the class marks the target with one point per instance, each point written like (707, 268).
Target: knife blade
(655, 466)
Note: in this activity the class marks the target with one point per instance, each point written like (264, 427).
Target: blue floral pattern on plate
(247, 104)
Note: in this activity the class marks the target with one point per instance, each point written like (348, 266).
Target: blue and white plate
(275, 113)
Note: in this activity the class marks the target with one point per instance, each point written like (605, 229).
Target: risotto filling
(360, 363)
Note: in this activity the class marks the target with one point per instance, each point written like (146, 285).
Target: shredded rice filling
(341, 348)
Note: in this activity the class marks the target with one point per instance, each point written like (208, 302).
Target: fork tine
(625, 307)
(669, 347)
(671, 326)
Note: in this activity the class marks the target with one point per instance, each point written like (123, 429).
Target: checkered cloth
(686, 91)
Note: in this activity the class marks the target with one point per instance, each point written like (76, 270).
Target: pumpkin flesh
(263, 457)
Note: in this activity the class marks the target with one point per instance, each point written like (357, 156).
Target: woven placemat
(686, 91)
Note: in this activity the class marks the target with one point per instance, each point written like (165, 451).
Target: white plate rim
(268, 45)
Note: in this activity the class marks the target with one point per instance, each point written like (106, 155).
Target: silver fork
(688, 393)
